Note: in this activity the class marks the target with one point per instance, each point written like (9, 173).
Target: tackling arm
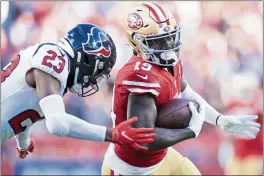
(144, 107)
(60, 123)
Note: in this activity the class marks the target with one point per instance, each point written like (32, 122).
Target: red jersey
(140, 77)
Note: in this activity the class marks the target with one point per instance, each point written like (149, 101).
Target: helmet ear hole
(144, 42)
(135, 52)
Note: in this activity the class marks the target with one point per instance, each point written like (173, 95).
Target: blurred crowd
(222, 56)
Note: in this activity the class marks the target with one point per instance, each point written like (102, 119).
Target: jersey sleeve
(52, 60)
(141, 81)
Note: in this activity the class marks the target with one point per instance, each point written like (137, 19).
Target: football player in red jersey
(152, 77)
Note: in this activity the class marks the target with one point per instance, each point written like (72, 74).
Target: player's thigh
(166, 168)
(180, 164)
(175, 164)
(187, 168)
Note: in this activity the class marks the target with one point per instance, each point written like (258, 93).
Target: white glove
(243, 125)
(197, 119)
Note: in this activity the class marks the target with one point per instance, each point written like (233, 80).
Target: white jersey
(19, 102)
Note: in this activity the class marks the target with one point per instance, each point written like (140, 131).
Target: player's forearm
(169, 137)
(144, 107)
(60, 123)
(23, 139)
(75, 128)
(210, 113)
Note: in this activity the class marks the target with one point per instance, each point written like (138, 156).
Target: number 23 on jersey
(52, 55)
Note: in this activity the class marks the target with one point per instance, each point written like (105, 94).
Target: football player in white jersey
(32, 86)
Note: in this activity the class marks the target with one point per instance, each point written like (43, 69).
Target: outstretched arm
(243, 125)
(211, 115)
(60, 123)
(144, 107)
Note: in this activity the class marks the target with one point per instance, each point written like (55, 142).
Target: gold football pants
(173, 164)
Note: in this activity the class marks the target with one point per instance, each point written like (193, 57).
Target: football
(175, 114)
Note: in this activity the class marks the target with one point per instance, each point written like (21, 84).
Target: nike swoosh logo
(124, 134)
(143, 77)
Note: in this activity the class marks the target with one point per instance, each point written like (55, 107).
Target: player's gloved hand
(124, 134)
(243, 125)
(22, 153)
(197, 119)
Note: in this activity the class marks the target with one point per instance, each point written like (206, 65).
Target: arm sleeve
(60, 123)
(210, 113)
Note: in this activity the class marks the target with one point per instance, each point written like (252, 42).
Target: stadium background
(222, 54)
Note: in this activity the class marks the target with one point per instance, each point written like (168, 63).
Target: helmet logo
(134, 21)
(94, 44)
